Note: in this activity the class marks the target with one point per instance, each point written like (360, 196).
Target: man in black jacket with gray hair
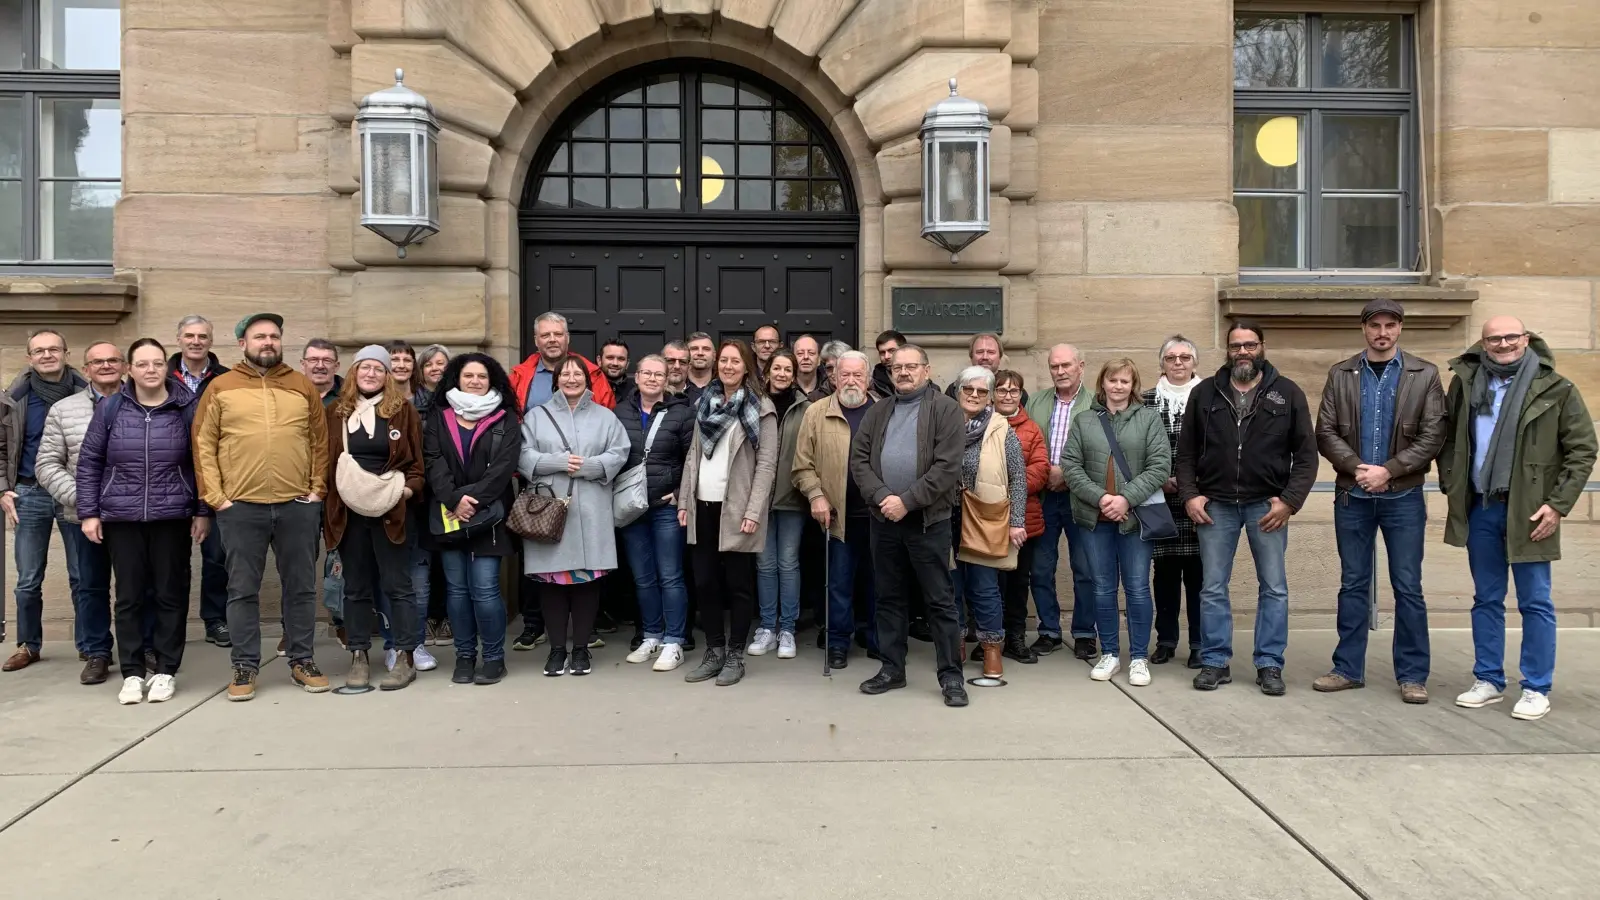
(906, 460)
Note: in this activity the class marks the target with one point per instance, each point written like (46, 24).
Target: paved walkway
(631, 783)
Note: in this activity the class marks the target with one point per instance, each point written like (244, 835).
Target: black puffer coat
(665, 467)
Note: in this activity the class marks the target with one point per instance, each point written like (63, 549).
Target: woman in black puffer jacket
(654, 543)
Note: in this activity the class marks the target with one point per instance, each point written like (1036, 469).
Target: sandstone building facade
(1158, 166)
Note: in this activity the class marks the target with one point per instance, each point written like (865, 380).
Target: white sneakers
(132, 691)
(1108, 666)
(786, 648)
(649, 648)
(1533, 705)
(389, 656)
(162, 687)
(763, 641)
(1139, 672)
(1481, 694)
(670, 658)
(423, 660)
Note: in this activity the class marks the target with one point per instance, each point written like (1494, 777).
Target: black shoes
(1083, 648)
(604, 624)
(688, 640)
(217, 633)
(822, 639)
(1271, 681)
(579, 663)
(838, 659)
(527, 640)
(556, 663)
(955, 693)
(920, 630)
(1194, 659)
(465, 668)
(977, 653)
(883, 683)
(491, 672)
(1163, 655)
(1017, 648)
(636, 641)
(1045, 644)
(1212, 677)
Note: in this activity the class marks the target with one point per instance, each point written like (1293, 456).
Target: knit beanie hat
(375, 353)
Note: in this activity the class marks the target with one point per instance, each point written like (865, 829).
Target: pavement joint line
(1401, 755)
(36, 805)
(649, 765)
(1288, 829)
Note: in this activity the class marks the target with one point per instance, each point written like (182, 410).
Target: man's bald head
(1503, 325)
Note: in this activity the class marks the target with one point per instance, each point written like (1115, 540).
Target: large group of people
(759, 488)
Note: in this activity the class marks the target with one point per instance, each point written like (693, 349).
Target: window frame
(35, 87)
(1311, 104)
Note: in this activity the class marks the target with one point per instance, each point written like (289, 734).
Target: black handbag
(1155, 517)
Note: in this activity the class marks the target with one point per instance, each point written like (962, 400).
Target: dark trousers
(908, 557)
(577, 602)
(151, 564)
(372, 561)
(1014, 591)
(291, 529)
(1177, 577)
(213, 579)
(726, 582)
(620, 600)
(813, 570)
(529, 604)
(437, 611)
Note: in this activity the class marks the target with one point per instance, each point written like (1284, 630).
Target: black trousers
(371, 560)
(1177, 577)
(151, 563)
(1014, 590)
(725, 582)
(620, 600)
(575, 602)
(529, 603)
(909, 559)
(813, 570)
(436, 588)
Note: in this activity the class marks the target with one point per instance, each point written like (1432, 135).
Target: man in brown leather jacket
(1381, 423)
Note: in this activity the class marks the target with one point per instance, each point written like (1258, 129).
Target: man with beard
(676, 353)
(1247, 458)
(906, 460)
(1380, 424)
(764, 343)
(197, 367)
(702, 352)
(831, 351)
(882, 384)
(614, 362)
(261, 462)
(822, 473)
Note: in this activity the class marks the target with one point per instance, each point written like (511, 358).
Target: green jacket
(1143, 437)
(1554, 456)
(1042, 403)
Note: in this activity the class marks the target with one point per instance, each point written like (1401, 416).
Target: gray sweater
(900, 444)
(593, 432)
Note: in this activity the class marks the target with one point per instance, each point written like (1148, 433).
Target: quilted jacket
(138, 467)
(56, 467)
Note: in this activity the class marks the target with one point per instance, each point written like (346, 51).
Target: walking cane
(827, 594)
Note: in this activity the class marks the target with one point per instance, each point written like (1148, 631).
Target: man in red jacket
(534, 378)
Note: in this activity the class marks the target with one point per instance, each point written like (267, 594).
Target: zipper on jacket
(146, 517)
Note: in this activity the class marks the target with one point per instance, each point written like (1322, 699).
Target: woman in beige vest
(991, 526)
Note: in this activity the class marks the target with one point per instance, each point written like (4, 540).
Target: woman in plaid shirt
(1177, 560)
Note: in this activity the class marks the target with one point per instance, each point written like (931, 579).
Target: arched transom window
(747, 146)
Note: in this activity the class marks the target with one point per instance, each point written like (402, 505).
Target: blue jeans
(1404, 522)
(852, 597)
(35, 513)
(472, 596)
(980, 589)
(213, 579)
(654, 545)
(1486, 555)
(1058, 521)
(1218, 543)
(91, 601)
(778, 571)
(333, 586)
(1116, 557)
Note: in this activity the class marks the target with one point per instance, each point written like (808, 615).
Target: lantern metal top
(398, 102)
(956, 111)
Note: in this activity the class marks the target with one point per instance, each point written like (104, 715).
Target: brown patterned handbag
(538, 514)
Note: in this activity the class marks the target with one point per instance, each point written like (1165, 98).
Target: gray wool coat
(751, 477)
(593, 432)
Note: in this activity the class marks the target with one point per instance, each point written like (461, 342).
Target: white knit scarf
(365, 415)
(472, 407)
(1173, 398)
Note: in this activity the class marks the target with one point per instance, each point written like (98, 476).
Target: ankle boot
(403, 673)
(360, 671)
(992, 666)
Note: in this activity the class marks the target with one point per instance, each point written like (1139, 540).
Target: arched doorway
(616, 237)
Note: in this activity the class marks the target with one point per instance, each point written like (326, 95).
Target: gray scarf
(717, 415)
(977, 425)
(1495, 476)
(51, 391)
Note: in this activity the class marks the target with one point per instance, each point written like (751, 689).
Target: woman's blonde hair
(1112, 367)
(350, 395)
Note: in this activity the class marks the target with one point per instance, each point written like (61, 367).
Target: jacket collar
(1408, 363)
(245, 368)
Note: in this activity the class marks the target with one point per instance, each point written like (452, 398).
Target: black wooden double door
(648, 294)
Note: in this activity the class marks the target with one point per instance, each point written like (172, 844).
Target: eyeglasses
(905, 367)
(971, 391)
(148, 365)
(1505, 339)
(1008, 391)
(1247, 347)
(677, 362)
(1178, 358)
(103, 363)
(319, 361)
(644, 374)
(47, 351)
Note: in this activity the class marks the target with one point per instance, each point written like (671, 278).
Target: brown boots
(403, 673)
(360, 674)
(992, 665)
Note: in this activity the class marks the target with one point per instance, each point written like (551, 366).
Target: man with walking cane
(822, 474)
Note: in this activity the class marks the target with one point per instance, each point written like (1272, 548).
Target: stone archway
(499, 71)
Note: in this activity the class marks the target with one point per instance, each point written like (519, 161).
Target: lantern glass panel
(391, 186)
(430, 178)
(957, 176)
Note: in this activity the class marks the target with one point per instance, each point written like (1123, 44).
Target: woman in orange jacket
(1008, 394)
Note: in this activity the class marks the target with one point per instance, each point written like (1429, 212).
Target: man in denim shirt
(1381, 423)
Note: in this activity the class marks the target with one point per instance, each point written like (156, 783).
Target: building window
(757, 151)
(1324, 146)
(60, 133)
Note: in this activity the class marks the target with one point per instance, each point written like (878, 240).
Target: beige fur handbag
(363, 492)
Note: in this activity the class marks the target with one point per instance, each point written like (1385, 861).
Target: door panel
(801, 290)
(635, 292)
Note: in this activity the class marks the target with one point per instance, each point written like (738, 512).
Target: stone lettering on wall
(946, 310)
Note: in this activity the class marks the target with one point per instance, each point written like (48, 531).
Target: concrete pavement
(630, 782)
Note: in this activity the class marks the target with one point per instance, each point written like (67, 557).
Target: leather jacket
(1419, 421)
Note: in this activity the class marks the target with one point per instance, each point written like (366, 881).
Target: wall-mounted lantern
(955, 172)
(399, 164)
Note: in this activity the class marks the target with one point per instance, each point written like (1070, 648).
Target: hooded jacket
(137, 464)
(1037, 454)
(1272, 453)
(260, 437)
(522, 377)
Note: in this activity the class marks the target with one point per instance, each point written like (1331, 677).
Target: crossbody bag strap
(564, 445)
(1116, 448)
(655, 426)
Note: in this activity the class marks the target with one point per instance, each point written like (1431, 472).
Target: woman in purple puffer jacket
(136, 493)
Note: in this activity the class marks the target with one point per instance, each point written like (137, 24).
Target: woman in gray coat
(576, 446)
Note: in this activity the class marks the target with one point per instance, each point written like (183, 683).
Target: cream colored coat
(992, 486)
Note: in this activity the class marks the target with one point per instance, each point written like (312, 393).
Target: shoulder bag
(365, 493)
(445, 528)
(985, 529)
(539, 515)
(1155, 517)
(630, 497)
